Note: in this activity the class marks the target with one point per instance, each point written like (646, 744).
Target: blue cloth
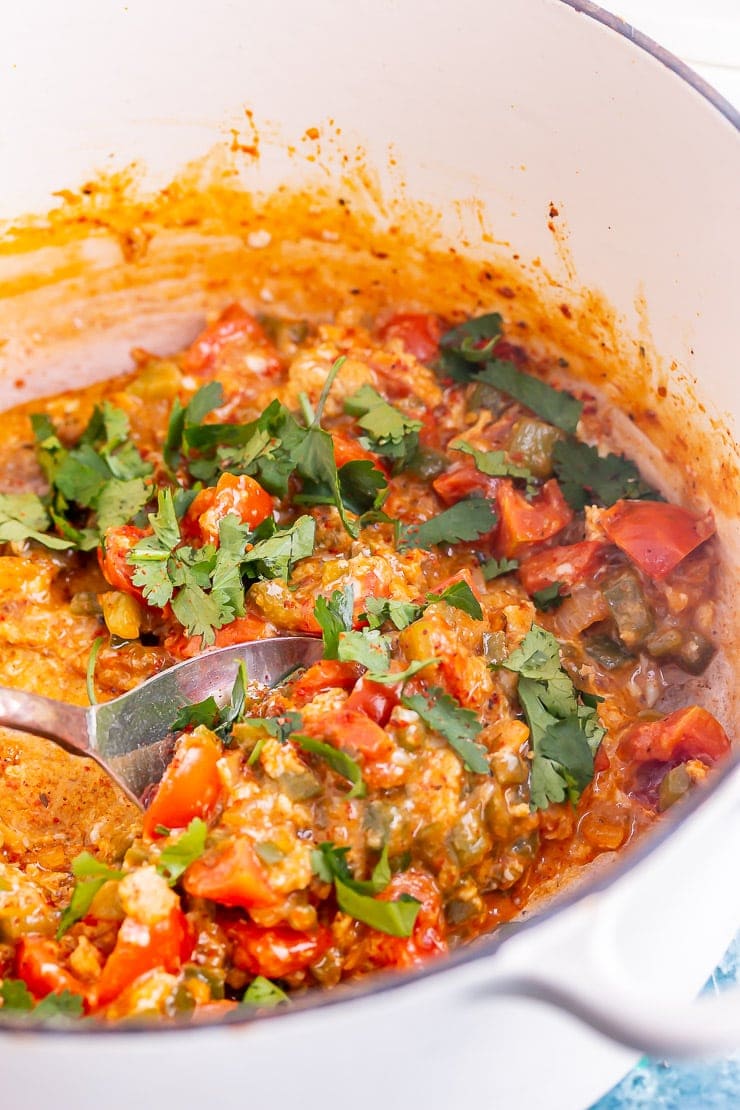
(661, 1086)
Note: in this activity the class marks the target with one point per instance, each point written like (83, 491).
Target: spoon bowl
(131, 736)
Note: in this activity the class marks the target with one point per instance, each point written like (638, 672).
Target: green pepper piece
(695, 653)
(674, 784)
(532, 443)
(485, 396)
(428, 463)
(607, 652)
(632, 614)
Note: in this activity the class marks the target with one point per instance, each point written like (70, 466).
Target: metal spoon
(131, 736)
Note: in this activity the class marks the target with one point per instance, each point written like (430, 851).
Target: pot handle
(623, 959)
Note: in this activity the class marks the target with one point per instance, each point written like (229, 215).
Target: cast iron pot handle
(595, 958)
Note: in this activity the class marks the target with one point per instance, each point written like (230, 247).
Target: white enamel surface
(518, 105)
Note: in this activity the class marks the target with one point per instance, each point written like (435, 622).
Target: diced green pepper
(673, 786)
(664, 641)
(485, 396)
(532, 443)
(428, 463)
(299, 787)
(632, 614)
(285, 334)
(607, 652)
(695, 653)
(494, 647)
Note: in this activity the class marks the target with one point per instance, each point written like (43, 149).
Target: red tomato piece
(419, 332)
(460, 481)
(524, 522)
(428, 938)
(141, 948)
(375, 699)
(232, 875)
(38, 962)
(233, 493)
(239, 631)
(353, 731)
(190, 786)
(275, 952)
(233, 327)
(112, 557)
(656, 535)
(690, 733)
(327, 674)
(347, 449)
(569, 564)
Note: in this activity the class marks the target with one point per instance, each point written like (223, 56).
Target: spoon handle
(65, 724)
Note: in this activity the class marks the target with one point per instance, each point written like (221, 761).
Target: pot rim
(485, 946)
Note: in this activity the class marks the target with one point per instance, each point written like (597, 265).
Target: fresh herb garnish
(204, 585)
(549, 597)
(334, 615)
(443, 714)
(18, 1000)
(24, 517)
(401, 614)
(355, 897)
(389, 432)
(494, 568)
(264, 993)
(460, 596)
(587, 478)
(464, 347)
(103, 474)
(369, 648)
(496, 465)
(176, 857)
(565, 731)
(338, 760)
(91, 874)
(463, 522)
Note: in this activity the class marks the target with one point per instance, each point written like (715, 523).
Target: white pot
(519, 106)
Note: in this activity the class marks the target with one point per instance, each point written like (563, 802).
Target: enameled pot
(542, 138)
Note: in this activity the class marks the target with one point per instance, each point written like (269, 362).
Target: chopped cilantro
(549, 597)
(459, 727)
(556, 406)
(334, 615)
(389, 432)
(460, 596)
(496, 465)
(463, 522)
(565, 731)
(91, 874)
(16, 996)
(587, 478)
(370, 648)
(355, 897)
(338, 760)
(401, 614)
(24, 517)
(176, 857)
(462, 348)
(495, 568)
(264, 993)
(207, 712)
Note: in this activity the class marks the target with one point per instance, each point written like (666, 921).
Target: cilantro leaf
(392, 678)
(588, 478)
(362, 487)
(338, 760)
(565, 732)
(462, 348)
(264, 993)
(176, 857)
(459, 727)
(335, 616)
(204, 712)
(23, 517)
(280, 727)
(370, 648)
(495, 464)
(460, 596)
(119, 500)
(274, 556)
(494, 568)
(389, 432)
(16, 996)
(556, 406)
(401, 614)
(91, 874)
(355, 897)
(549, 597)
(463, 522)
